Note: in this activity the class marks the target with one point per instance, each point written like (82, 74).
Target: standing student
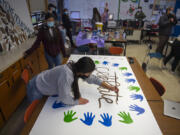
(105, 19)
(52, 10)
(52, 40)
(96, 18)
(166, 22)
(63, 81)
(68, 26)
(175, 52)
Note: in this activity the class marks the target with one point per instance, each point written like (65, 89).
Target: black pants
(162, 42)
(69, 34)
(176, 59)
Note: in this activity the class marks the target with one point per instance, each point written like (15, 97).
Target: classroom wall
(21, 9)
(127, 8)
(37, 5)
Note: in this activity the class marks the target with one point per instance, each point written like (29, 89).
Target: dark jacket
(176, 48)
(52, 44)
(66, 21)
(165, 26)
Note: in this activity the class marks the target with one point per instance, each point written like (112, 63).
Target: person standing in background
(52, 10)
(175, 52)
(96, 18)
(68, 26)
(52, 40)
(105, 19)
(166, 22)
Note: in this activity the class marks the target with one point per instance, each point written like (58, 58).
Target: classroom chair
(30, 110)
(32, 106)
(25, 75)
(115, 50)
(158, 86)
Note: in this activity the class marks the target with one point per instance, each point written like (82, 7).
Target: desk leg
(125, 48)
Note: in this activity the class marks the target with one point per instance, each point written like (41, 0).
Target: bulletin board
(127, 113)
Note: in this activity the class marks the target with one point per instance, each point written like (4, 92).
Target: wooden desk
(169, 126)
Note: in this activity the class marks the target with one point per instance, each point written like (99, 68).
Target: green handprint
(123, 68)
(68, 116)
(96, 62)
(134, 88)
(126, 118)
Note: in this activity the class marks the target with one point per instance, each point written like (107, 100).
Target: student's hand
(114, 88)
(83, 101)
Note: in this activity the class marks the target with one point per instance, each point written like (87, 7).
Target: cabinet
(31, 63)
(12, 90)
(1, 120)
(12, 87)
(41, 59)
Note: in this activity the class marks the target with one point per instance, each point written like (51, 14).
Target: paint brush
(116, 87)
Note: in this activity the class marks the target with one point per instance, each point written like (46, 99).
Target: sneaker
(172, 72)
(163, 66)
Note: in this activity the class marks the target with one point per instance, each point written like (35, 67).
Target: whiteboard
(139, 121)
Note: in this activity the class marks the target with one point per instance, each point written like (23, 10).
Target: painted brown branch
(104, 75)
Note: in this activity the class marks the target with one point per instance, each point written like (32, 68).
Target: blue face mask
(50, 24)
(66, 13)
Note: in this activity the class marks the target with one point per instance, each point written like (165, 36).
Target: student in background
(96, 18)
(166, 22)
(105, 19)
(139, 15)
(68, 26)
(52, 10)
(175, 52)
(63, 81)
(52, 40)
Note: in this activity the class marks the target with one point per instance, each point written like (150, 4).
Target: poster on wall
(107, 112)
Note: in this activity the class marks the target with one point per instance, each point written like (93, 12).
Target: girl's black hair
(83, 65)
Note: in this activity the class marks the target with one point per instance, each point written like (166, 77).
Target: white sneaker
(163, 66)
(172, 72)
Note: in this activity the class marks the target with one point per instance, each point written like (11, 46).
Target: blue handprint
(115, 65)
(130, 80)
(54, 95)
(88, 119)
(58, 105)
(105, 62)
(137, 109)
(137, 96)
(127, 74)
(107, 120)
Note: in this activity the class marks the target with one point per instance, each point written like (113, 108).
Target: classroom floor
(170, 81)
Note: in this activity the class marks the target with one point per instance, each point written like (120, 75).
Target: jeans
(53, 60)
(32, 91)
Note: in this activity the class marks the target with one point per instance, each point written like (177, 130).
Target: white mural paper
(131, 113)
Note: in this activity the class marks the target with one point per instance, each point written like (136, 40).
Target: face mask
(66, 13)
(50, 24)
(54, 9)
(83, 77)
